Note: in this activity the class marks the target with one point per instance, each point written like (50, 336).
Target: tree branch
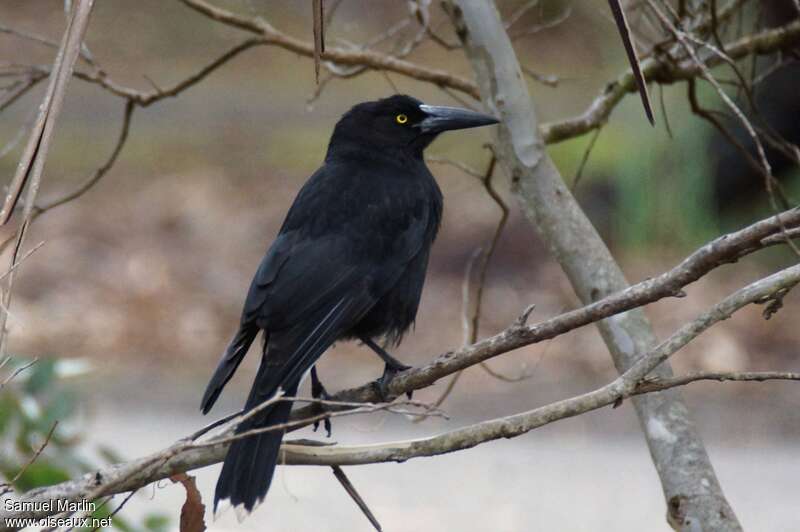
(657, 69)
(365, 58)
(626, 385)
(185, 455)
(31, 165)
(722, 250)
(656, 385)
(528, 149)
(682, 462)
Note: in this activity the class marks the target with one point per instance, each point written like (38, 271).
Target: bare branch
(184, 455)
(38, 452)
(626, 385)
(14, 374)
(22, 259)
(585, 159)
(119, 507)
(544, 79)
(706, 74)
(6, 487)
(682, 463)
(533, 29)
(366, 58)
(782, 237)
(82, 189)
(19, 89)
(84, 51)
(655, 69)
(319, 33)
(32, 163)
(101, 171)
(776, 230)
(725, 249)
(471, 314)
(144, 99)
(655, 385)
(335, 409)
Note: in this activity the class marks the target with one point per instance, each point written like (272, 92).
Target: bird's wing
(346, 240)
(302, 287)
(342, 236)
(319, 293)
(310, 290)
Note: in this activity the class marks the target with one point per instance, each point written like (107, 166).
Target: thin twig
(31, 165)
(116, 510)
(658, 70)
(90, 182)
(17, 371)
(32, 161)
(366, 58)
(657, 385)
(36, 454)
(586, 153)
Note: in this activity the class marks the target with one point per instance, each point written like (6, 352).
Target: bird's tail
(233, 356)
(250, 463)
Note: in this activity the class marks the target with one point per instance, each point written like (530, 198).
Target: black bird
(349, 262)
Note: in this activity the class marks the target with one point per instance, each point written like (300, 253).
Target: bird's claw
(318, 391)
(382, 384)
(326, 424)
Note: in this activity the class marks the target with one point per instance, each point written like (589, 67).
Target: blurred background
(139, 283)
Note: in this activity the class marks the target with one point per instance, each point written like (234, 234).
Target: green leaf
(41, 473)
(8, 409)
(42, 375)
(109, 455)
(157, 523)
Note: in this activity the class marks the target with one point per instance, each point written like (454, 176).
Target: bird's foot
(318, 391)
(393, 366)
(382, 384)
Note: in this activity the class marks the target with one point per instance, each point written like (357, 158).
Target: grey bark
(695, 500)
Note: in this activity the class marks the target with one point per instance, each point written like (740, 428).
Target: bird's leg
(391, 362)
(318, 391)
(382, 384)
(393, 367)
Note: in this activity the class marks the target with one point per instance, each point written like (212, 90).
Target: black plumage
(349, 262)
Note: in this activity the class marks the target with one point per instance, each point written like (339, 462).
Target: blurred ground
(145, 276)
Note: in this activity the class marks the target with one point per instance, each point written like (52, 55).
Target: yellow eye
(401, 119)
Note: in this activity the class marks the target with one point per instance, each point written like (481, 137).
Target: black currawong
(349, 262)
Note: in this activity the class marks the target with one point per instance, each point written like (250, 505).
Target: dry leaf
(193, 509)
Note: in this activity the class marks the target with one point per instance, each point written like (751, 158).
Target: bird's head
(401, 122)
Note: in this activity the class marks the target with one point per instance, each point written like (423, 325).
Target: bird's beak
(441, 118)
